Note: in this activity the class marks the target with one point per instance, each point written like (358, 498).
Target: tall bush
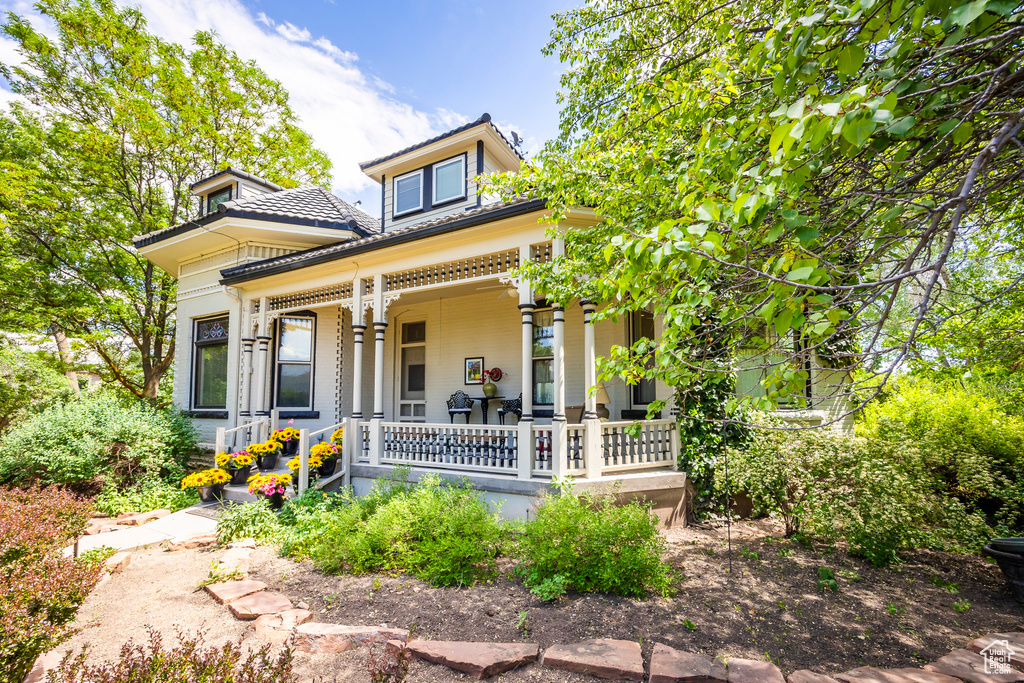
(97, 438)
(40, 589)
(873, 494)
(971, 451)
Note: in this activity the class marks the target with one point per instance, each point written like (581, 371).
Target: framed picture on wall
(474, 371)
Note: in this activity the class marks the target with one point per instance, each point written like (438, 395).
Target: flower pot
(290, 447)
(490, 389)
(267, 462)
(211, 492)
(327, 469)
(1012, 566)
(276, 501)
(239, 475)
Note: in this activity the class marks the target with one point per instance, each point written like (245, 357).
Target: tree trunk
(64, 351)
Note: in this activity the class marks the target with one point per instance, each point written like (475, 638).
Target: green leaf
(965, 14)
(858, 131)
(778, 135)
(796, 110)
(901, 126)
(850, 60)
(800, 274)
(829, 109)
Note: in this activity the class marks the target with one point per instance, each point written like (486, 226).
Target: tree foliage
(118, 123)
(808, 172)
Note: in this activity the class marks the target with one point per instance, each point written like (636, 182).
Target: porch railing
(364, 442)
(543, 438)
(656, 445)
(481, 448)
(257, 429)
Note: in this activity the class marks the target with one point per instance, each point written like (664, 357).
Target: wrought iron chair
(513, 406)
(459, 404)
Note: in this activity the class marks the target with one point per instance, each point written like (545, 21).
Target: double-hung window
(641, 326)
(295, 363)
(408, 193)
(210, 378)
(544, 357)
(449, 180)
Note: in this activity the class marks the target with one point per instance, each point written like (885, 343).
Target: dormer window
(215, 199)
(409, 192)
(450, 180)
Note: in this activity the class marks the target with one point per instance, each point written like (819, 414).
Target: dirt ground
(769, 607)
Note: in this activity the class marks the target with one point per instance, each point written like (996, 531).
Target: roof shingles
(334, 251)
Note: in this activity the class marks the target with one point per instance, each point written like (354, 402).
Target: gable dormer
(227, 185)
(435, 178)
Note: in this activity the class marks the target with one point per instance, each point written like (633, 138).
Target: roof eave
(510, 211)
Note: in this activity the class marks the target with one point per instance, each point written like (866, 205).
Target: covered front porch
(401, 343)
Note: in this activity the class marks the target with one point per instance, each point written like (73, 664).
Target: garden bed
(769, 606)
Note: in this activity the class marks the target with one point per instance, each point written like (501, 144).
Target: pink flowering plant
(268, 484)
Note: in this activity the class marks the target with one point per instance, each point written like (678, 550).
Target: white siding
(421, 216)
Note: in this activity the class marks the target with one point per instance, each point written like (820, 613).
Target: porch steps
(239, 493)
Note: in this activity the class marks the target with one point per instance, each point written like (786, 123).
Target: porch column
(358, 328)
(524, 434)
(246, 372)
(263, 341)
(592, 451)
(380, 324)
(559, 433)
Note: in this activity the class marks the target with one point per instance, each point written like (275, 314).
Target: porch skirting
(669, 492)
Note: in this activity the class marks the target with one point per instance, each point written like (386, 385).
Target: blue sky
(369, 78)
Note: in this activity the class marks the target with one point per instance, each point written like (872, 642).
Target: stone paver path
(669, 665)
(480, 660)
(614, 659)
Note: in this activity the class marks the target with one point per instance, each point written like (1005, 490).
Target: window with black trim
(641, 326)
(408, 192)
(449, 180)
(295, 363)
(215, 199)
(210, 363)
(544, 357)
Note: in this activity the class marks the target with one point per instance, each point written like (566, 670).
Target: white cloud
(352, 115)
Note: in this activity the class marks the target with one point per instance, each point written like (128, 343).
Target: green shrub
(40, 588)
(98, 436)
(970, 451)
(146, 496)
(28, 382)
(588, 542)
(828, 486)
(445, 534)
(254, 520)
(190, 661)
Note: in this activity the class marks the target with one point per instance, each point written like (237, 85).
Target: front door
(412, 404)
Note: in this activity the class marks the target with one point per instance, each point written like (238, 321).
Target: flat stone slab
(1014, 640)
(970, 666)
(869, 674)
(669, 665)
(236, 560)
(245, 543)
(230, 591)
(807, 676)
(277, 628)
(317, 637)
(614, 659)
(117, 561)
(753, 671)
(258, 604)
(481, 660)
(204, 541)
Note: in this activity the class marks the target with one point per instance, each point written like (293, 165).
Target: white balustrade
(542, 435)
(653, 447)
(364, 442)
(482, 448)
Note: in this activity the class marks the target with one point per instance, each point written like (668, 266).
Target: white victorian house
(296, 305)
